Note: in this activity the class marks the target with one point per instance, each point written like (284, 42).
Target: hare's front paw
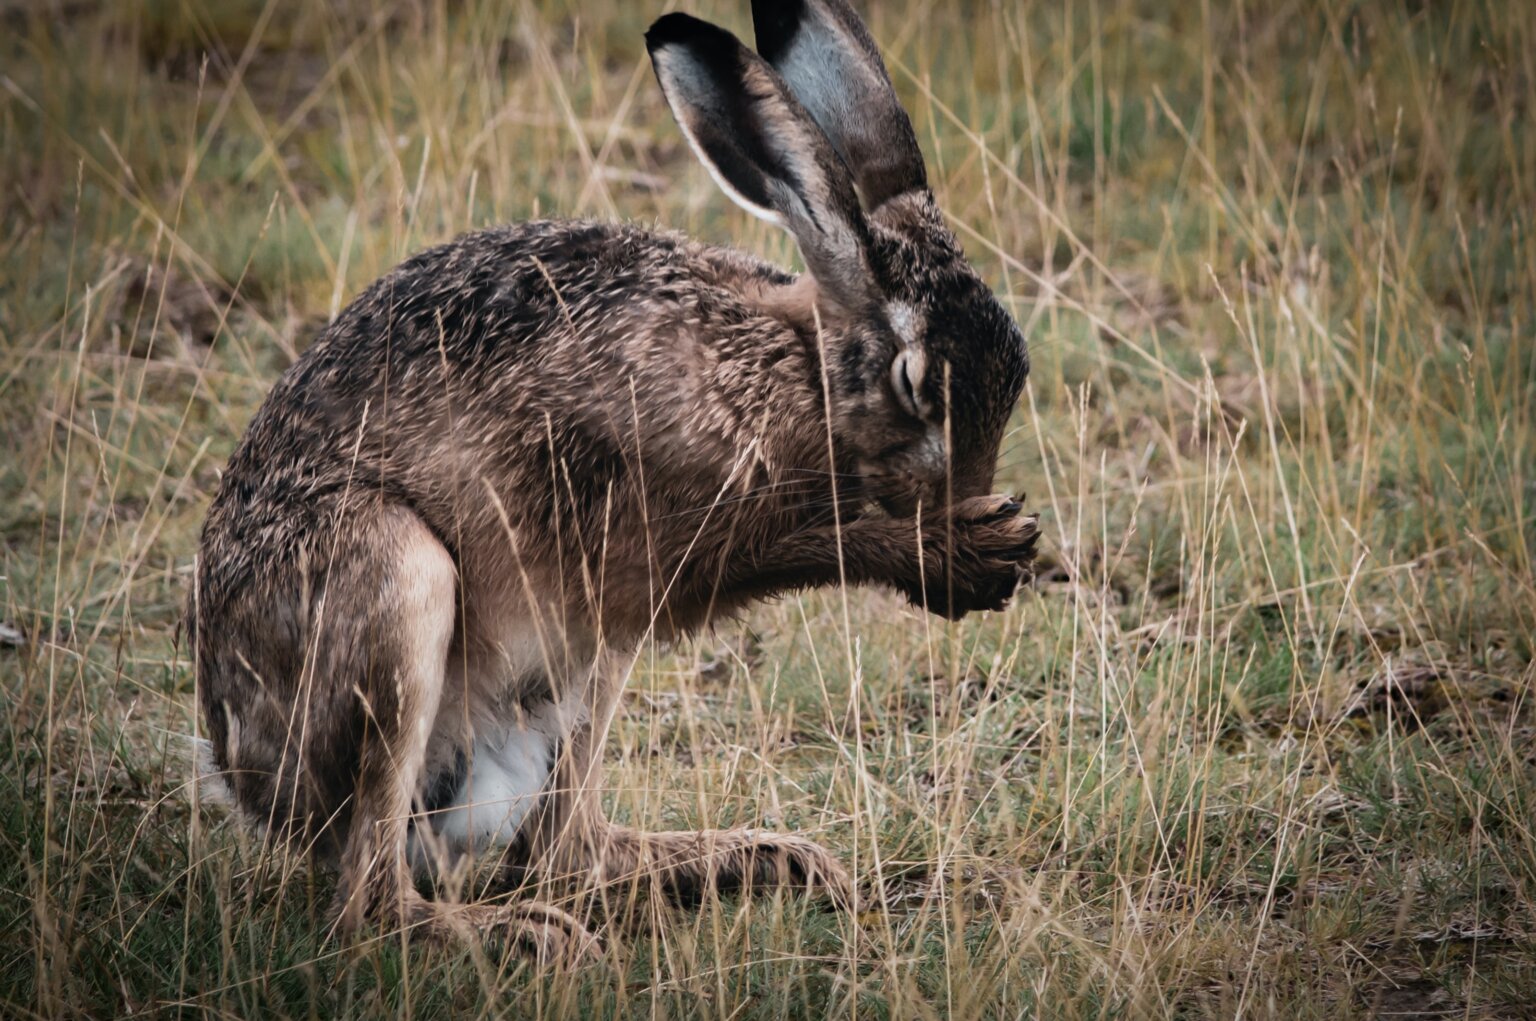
(975, 558)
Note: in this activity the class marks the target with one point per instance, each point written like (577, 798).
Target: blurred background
(1259, 742)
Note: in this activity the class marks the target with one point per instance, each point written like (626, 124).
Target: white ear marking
(761, 212)
(663, 59)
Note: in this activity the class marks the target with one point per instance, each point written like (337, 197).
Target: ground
(1259, 742)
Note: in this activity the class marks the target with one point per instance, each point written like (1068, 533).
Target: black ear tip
(676, 27)
(708, 42)
(775, 23)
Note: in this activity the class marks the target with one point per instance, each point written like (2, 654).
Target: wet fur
(518, 455)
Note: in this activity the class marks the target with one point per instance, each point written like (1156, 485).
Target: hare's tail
(212, 783)
(199, 770)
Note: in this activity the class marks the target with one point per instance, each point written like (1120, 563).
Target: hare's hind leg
(395, 586)
(688, 864)
(570, 836)
(387, 623)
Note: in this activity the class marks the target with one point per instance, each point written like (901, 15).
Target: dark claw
(1006, 511)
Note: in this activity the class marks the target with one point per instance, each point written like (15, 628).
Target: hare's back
(476, 345)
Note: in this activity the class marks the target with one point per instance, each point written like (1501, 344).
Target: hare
(517, 456)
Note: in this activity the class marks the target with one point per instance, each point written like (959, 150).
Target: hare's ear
(826, 55)
(763, 149)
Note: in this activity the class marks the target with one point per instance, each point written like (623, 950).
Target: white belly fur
(509, 759)
(506, 774)
(508, 769)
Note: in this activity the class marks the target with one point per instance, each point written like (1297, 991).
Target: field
(1260, 741)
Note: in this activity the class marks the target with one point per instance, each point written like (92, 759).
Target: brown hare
(518, 455)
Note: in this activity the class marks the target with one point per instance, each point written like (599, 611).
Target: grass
(1258, 743)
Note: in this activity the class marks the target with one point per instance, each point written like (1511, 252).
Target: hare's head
(922, 363)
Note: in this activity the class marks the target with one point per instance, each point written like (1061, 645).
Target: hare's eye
(907, 382)
(907, 378)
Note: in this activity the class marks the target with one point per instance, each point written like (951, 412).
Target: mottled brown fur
(518, 455)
